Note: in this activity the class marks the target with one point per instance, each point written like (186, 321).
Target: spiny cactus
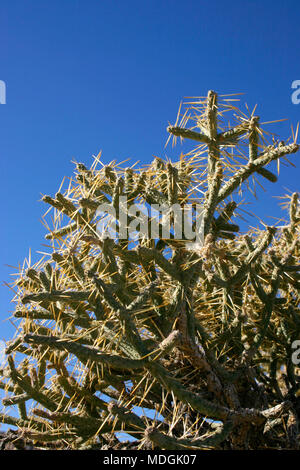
(199, 334)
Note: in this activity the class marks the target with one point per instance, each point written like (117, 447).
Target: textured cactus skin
(107, 326)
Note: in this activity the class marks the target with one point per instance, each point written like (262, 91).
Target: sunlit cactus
(174, 344)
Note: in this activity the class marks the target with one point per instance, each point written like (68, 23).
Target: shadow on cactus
(201, 334)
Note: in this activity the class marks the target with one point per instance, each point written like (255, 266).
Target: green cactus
(201, 334)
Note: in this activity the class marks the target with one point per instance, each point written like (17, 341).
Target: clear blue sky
(84, 76)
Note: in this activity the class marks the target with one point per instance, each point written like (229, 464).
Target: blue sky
(84, 76)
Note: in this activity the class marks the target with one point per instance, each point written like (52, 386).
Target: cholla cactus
(200, 334)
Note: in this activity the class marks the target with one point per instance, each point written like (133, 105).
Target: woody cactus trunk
(173, 344)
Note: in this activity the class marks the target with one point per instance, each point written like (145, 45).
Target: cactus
(179, 345)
